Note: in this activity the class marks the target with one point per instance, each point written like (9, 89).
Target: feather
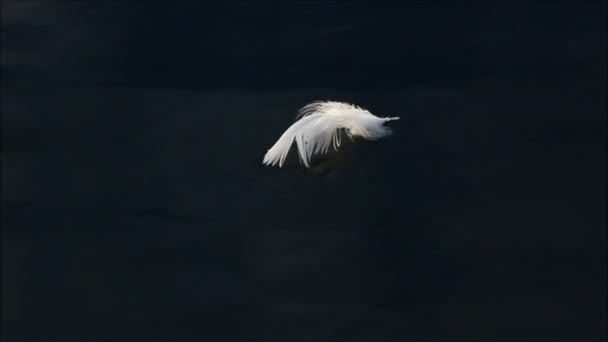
(318, 128)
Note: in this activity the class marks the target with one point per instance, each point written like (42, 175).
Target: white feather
(317, 129)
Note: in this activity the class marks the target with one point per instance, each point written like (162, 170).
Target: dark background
(134, 205)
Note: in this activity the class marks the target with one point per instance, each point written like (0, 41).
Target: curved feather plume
(317, 129)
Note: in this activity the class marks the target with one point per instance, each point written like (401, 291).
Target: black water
(134, 205)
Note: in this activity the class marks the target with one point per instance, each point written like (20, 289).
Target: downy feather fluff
(317, 129)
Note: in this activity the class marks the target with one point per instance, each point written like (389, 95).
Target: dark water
(134, 205)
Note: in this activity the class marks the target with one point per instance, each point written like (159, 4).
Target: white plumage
(317, 128)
